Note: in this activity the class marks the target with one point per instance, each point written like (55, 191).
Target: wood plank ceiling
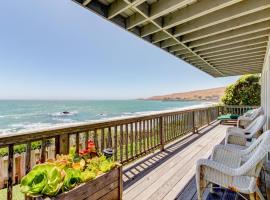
(219, 37)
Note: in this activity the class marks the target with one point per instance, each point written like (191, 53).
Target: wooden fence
(130, 138)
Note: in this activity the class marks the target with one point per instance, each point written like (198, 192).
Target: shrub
(246, 91)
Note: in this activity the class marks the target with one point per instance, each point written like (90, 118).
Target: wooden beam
(168, 43)
(160, 36)
(240, 22)
(176, 48)
(194, 11)
(119, 6)
(241, 71)
(181, 52)
(234, 55)
(235, 51)
(231, 12)
(255, 58)
(191, 58)
(186, 55)
(236, 59)
(244, 63)
(243, 33)
(85, 2)
(134, 20)
(149, 29)
(160, 8)
(156, 10)
(190, 12)
(230, 41)
(163, 7)
(116, 8)
(259, 65)
(242, 45)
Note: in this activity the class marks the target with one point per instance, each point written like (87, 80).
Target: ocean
(20, 115)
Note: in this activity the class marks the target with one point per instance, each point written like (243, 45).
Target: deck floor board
(167, 173)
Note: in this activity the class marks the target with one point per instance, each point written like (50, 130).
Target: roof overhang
(219, 37)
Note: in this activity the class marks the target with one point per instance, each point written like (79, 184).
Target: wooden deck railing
(130, 138)
(239, 110)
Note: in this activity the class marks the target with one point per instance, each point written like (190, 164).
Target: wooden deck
(165, 175)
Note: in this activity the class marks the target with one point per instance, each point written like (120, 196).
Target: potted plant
(75, 176)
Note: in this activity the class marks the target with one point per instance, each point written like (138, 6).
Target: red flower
(84, 152)
(91, 145)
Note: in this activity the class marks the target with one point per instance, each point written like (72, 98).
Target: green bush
(246, 91)
(21, 148)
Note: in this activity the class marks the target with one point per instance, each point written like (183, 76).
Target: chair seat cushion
(228, 117)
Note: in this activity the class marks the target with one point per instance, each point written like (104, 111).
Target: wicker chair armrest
(226, 155)
(237, 138)
(228, 149)
(235, 130)
(206, 163)
(244, 118)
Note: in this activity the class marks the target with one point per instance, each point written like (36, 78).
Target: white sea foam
(17, 116)
(63, 120)
(17, 127)
(30, 125)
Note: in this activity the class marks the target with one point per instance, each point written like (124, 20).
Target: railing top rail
(26, 136)
(240, 106)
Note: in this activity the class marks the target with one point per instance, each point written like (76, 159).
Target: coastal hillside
(213, 94)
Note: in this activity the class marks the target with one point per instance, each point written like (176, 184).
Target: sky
(55, 49)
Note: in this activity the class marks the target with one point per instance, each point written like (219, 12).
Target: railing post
(10, 172)
(193, 122)
(208, 116)
(63, 144)
(161, 133)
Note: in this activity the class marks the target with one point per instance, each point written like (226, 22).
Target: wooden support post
(161, 133)
(208, 116)
(193, 122)
(120, 191)
(27, 162)
(64, 144)
(77, 146)
(10, 172)
(43, 151)
(57, 145)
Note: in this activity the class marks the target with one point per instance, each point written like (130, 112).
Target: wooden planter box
(108, 186)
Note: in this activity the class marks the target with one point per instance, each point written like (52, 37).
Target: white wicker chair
(247, 118)
(240, 138)
(234, 169)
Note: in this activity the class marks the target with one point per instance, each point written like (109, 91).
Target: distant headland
(213, 94)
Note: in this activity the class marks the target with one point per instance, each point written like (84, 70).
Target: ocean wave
(128, 113)
(62, 114)
(30, 125)
(17, 116)
(66, 120)
(7, 130)
(16, 127)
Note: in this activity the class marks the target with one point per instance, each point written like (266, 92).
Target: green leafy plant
(72, 178)
(246, 91)
(43, 179)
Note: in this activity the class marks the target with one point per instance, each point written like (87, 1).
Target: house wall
(266, 86)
